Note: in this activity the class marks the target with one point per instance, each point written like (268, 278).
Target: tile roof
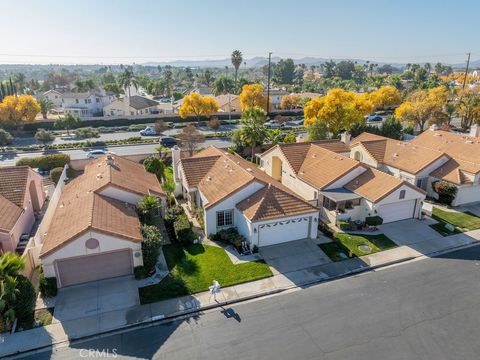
(140, 102)
(295, 153)
(82, 208)
(229, 173)
(453, 172)
(270, 202)
(13, 187)
(321, 167)
(407, 156)
(374, 185)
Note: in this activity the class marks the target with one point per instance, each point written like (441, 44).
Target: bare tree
(190, 138)
(160, 126)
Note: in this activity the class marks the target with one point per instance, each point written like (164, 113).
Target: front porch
(340, 204)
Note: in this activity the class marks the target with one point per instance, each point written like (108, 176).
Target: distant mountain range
(261, 61)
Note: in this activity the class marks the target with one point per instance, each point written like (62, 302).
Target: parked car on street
(96, 154)
(148, 131)
(373, 117)
(273, 124)
(294, 123)
(168, 141)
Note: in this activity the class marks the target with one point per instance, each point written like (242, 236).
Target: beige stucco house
(343, 188)
(233, 193)
(433, 155)
(95, 232)
(21, 196)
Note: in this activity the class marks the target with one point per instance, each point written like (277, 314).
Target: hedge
(183, 229)
(45, 162)
(55, 174)
(373, 220)
(47, 286)
(345, 225)
(49, 125)
(25, 301)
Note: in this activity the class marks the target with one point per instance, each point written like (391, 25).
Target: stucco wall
(77, 248)
(346, 178)
(467, 194)
(365, 157)
(228, 203)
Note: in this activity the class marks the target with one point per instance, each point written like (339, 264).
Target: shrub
(373, 220)
(151, 244)
(445, 190)
(25, 301)
(229, 236)
(45, 162)
(47, 286)
(147, 208)
(345, 225)
(140, 272)
(183, 229)
(290, 138)
(172, 213)
(5, 137)
(44, 136)
(55, 174)
(86, 133)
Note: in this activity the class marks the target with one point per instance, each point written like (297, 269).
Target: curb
(158, 319)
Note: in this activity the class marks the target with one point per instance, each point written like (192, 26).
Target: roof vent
(395, 155)
(249, 169)
(110, 160)
(99, 176)
(469, 142)
(209, 178)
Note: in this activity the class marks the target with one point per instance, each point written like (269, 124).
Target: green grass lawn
(441, 229)
(463, 221)
(351, 242)
(334, 251)
(193, 269)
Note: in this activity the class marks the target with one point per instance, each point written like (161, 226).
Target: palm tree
(237, 59)
(45, 106)
(10, 267)
(128, 79)
(147, 207)
(254, 131)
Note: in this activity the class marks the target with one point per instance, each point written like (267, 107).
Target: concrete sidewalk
(145, 314)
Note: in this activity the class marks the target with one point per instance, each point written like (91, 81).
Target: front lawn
(334, 251)
(353, 242)
(193, 269)
(463, 221)
(442, 230)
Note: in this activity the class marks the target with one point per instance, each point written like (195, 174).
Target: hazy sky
(125, 31)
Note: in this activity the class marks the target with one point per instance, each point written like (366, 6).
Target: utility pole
(466, 71)
(268, 81)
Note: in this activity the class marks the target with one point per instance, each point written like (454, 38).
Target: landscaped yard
(193, 269)
(356, 245)
(42, 317)
(462, 221)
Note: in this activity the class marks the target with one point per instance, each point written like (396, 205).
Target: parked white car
(148, 131)
(96, 154)
(273, 124)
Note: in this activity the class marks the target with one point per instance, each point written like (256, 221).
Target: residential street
(427, 309)
(9, 159)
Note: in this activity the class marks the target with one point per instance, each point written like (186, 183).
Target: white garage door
(282, 231)
(94, 267)
(397, 211)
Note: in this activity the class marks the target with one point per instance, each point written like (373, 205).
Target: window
(402, 194)
(86, 101)
(98, 100)
(76, 101)
(329, 204)
(224, 218)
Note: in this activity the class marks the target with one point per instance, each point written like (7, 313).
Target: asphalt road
(9, 159)
(427, 309)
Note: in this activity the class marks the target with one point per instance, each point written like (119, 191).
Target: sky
(127, 31)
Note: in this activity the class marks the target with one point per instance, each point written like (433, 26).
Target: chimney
(176, 174)
(110, 160)
(475, 130)
(126, 105)
(345, 137)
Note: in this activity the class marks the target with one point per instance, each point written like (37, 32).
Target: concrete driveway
(473, 208)
(412, 231)
(95, 298)
(293, 255)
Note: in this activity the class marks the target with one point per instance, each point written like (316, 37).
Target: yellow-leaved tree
(15, 109)
(338, 110)
(385, 97)
(290, 102)
(252, 96)
(197, 105)
(422, 107)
